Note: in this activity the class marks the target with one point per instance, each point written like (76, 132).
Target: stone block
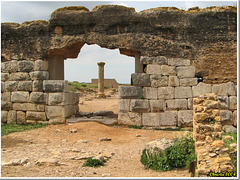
(24, 86)
(150, 93)
(20, 97)
(225, 89)
(6, 96)
(36, 116)
(124, 105)
(11, 86)
(55, 111)
(173, 81)
(177, 104)
(19, 106)
(226, 117)
(186, 72)
(41, 65)
(4, 76)
(69, 110)
(129, 92)
(153, 69)
(141, 79)
(139, 105)
(150, 119)
(160, 60)
(188, 82)
(21, 117)
(158, 80)
(56, 99)
(2, 87)
(166, 93)
(130, 118)
(37, 86)
(39, 75)
(183, 92)
(229, 129)
(4, 116)
(55, 86)
(57, 120)
(201, 88)
(185, 118)
(178, 62)
(168, 70)
(9, 67)
(6, 105)
(233, 102)
(12, 117)
(168, 118)
(35, 107)
(19, 76)
(157, 105)
(38, 97)
(25, 66)
(190, 103)
(222, 102)
(235, 118)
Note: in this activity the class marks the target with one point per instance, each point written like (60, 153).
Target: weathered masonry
(172, 48)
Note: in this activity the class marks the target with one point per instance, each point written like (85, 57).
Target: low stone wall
(28, 95)
(207, 133)
(162, 95)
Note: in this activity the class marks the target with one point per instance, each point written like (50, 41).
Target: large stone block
(190, 103)
(150, 93)
(157, 105)
(183, 92)
(56, 99)
(35, 107)
(36, 116)
(4, 116)
(168, 118)
(130, 118)
(9, 67)
(55, 111)
(226, 117)
(158, 80)
(168, 70)
(38, 97)
(24, 86)
(20, 96)
(124, 105)
(222, 102)
(6, 105)
(177, 104)
(153, 69)
(141, 79)
(139, 105)
(55, 86)
(41, 65)
(12, 117)
(19, 106)
(11, 86)
(235, 118)
(201, 88)
(39, 75)
(21, 117)
(69, 110)
(129, 92)
(225, 89)
(173, 81)
(25, 66)
(185, 118)
(166, 93)
(150, 119)
(6, 96)
(233, 102)
(19, 76)
(186, 72)
(188, 82)
(178, 62)
(160, 60)
(37, 86)
(4, 76)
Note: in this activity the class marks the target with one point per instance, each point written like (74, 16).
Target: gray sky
(84, 68)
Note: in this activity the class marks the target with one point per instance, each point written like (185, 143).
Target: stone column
(101, 80)
(138, 66)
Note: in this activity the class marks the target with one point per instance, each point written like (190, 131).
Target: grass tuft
(93, 163)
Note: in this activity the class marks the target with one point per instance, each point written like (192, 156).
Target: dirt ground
(58, 143)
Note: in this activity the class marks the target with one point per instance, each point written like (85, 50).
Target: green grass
(11, 128)
(76, 86)
(93, 163)
(135, 126)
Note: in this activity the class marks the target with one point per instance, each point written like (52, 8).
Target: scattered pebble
(212, 154)
(99, 157)
(83, 141)
(227, 137)
(105, 139)
(234, 145)
(72, 130)
(48, 161)
(138, 135)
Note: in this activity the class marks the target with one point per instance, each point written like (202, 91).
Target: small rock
(234, 145)
(105, 139)
(227, 137)
(72, 130)
(159, 145)
(138, 135)
(99, 157)
(64, 140)
(84, 157)
(212, 154)
(229, 129)
(105, 175)
(76, 150)
(83, 141)
(48, 161)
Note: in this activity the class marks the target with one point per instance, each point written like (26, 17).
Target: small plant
(135, 126)
(93, 163)
(142, 97)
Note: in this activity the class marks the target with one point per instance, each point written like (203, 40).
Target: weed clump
(93, 163)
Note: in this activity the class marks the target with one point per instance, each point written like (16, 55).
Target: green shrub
(93, 162)
(179, 155)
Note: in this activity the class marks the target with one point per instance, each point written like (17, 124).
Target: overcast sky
(84, 68)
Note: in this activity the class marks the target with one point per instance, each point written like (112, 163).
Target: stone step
(103, 120)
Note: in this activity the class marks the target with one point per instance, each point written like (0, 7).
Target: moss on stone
(35, 22)
(71, 8)
(102, 6)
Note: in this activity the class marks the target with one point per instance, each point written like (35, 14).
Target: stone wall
(28, 96)
(162, 95)
(207, 133)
